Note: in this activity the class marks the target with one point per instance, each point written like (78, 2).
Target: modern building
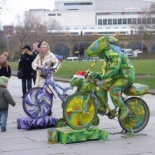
(96, 17)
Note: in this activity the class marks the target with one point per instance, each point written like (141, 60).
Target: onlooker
(45, 56)
(5, 69)
(25, 66)
(35, 53)
(5, 100)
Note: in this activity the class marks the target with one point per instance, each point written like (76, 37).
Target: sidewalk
(22, 142)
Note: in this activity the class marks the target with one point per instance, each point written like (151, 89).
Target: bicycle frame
(53, 86)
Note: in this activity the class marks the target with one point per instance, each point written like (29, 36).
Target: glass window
(143, 20)
(114, 21)
(129, 20)
(124, 21)
(119, 21)
(134, 21)
(99, 21)
(149, 21)
(139, 21)
(104, 21)
(153, 20)
(109, 21)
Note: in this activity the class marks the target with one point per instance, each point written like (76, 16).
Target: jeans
(26, 85)
(3, 118)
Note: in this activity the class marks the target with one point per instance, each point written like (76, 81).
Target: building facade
(96, 17)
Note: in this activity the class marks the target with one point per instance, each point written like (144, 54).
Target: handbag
(20, 74)
(44, 73)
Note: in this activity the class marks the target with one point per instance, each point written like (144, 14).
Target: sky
(17, 7)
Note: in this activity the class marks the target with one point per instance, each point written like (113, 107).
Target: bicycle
(81, 108)
(38, 101)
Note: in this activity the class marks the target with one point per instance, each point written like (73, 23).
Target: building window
(86, 3)
(59, 14)
(134, 21)
(124, 21)
(109, 21)
(119, 21)
(99, 21)
(104, 21)
(114, 21)
(143, 20)
(139, 21)
(153, 20)
(51, 14)
(129, 20)
(149, 21)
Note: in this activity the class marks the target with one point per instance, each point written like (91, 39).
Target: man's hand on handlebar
(94, 75)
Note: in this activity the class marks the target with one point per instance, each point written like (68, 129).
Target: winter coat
(48, 58)
(5, 98)
(25, 65)
(5, 71)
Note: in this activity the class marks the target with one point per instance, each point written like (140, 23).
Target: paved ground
(21, 142)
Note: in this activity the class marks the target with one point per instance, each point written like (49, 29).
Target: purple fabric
(29, 123)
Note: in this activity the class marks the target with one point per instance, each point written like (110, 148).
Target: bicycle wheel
(80, 110)
(138, 116)
(37, 103)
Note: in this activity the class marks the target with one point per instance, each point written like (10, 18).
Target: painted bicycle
(81, 109)
(38, 100)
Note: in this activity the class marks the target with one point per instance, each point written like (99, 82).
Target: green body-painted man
(119, 72)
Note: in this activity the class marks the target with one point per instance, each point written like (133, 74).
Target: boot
(124, 112)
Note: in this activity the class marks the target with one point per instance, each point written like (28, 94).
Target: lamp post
(7, 42)
(78, 50)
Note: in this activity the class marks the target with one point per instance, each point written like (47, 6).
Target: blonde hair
(6, 54)
(45, 43)
(5, 63)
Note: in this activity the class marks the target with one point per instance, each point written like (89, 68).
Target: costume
(119, 72)
(5, 100)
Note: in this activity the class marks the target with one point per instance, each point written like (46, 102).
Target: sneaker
(124, 113)
(3, 130)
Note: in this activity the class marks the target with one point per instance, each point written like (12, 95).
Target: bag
(29, 123)
(44, 73)
(20, 74)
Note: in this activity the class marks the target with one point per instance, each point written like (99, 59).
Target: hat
(80, 75)
(27, 47)
(3, 80)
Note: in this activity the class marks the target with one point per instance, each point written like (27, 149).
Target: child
(5, 100)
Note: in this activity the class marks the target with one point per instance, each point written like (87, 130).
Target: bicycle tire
(31, 106)
(138, 116)
(79, 113)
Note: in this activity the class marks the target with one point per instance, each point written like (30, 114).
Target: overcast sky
(19, 6)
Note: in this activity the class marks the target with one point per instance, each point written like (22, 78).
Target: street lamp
(7, 41)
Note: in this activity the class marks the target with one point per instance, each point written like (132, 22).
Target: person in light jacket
(45, 56)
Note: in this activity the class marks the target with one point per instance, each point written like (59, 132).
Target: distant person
(5, 100)
(5, 69)
(44, 56)
(35, 52)
(25, 66)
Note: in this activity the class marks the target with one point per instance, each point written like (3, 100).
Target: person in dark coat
(5, 69)
(5, 100)
(25, 66)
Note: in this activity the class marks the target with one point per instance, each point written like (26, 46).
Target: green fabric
(52, 136)
(3, 80)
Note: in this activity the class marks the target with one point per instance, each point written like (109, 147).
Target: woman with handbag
(25, 69)
(44, 58)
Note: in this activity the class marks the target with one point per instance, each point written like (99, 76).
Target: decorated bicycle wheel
(37, 103)
(138, 116)
(79, 110)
